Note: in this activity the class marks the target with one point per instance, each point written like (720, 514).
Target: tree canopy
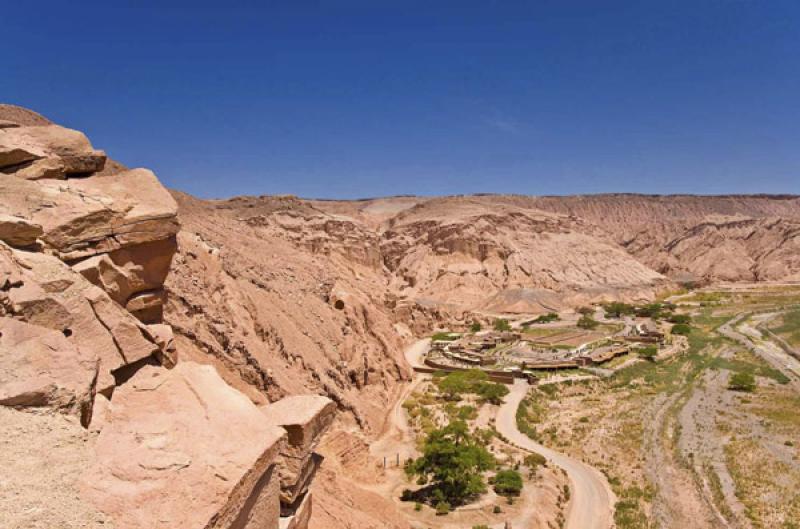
(474, 381)
(452, 461)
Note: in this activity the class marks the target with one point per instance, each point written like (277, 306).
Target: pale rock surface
(66, 147)
(16, 231)
(181, 448)
(85, 217)
(305, 418)
(46, 293)
(40, 368)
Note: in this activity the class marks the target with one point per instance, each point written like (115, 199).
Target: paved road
(591, 499)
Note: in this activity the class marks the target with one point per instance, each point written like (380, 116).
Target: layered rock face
(86, 246)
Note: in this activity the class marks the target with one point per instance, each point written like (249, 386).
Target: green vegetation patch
(445, 337)
(451, 466)
(508, 483)
(474, 381)
(790, 327)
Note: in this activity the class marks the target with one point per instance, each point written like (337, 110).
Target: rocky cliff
(127, 433)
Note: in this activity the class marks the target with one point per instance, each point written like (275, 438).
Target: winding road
(591, 499)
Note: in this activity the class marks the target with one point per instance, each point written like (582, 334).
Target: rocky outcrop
(184, 449)
(305, 418)
(47, 152)
(85, 250)
(116, 227)
(42, 368)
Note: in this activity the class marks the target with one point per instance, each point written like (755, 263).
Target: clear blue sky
(357, 99)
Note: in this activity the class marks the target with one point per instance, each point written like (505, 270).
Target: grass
(629, 510)
(789, 329)
(757, 368)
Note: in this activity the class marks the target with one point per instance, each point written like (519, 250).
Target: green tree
(453, 460)
(648, 353)
(492, 392)
(455, 384)
(742, 381)
(547, 318)
(616, 309)
(475, 327)
(501, 324)
(684, 319)
(651, 310)
(508, 483)
(587, 322)
(682, 329)
(534, 461)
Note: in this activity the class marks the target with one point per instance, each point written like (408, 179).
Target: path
(397, 437)
(592, 501)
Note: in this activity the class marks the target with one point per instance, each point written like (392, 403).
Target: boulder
(85, 217)
(128, 272)
(305, 418)
(129, 335)
(147, 306)
(181, 448)
(69, 147)
(41, 368)
(164, 338)
(45, 292)
(17, 231)
(43, 168)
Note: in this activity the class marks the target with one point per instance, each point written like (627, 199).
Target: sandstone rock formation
(183, 449)
(85, 249)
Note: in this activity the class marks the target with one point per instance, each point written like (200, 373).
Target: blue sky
(359, 99)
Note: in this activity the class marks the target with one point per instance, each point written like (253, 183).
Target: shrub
(492, 392)
(497, 509)
(481, 526)
(743, 381)
(586, 311)
(453, 460)
(443, 337)
(617, 309)
(475, 327)
(508, 483)
(501, 324)
(682, 329)
(680, 318)
(587, 322)
(534, 461)
(442, 508)
(547, 318)
(648, 353)
(418, 506)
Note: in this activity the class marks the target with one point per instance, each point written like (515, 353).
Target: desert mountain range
(285, 296)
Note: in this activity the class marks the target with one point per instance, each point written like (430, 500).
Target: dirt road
(592, 501)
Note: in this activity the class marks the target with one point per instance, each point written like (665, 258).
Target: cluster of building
(513, 354)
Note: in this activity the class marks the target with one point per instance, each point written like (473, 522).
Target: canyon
(227, 363)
